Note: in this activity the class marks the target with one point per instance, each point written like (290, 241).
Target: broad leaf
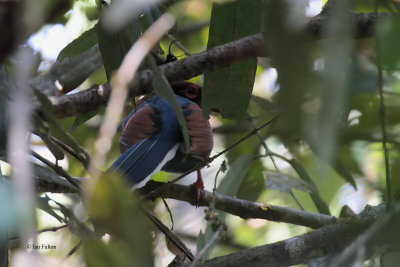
(389, 37)
(82, 118)
(285, 183)
(45, 136)
(230, 184)
(114, 210)
(97, 253)
(43, 204)
(253, 183)
(229, 89)
(114, 44)
(315, 196)
(55, 129)
(85, 41)
(163, 89)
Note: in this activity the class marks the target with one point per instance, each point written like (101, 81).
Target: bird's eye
(191, 92)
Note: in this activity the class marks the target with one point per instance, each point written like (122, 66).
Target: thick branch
(70, 73)
(218, 57)
(50, 182)
(243, 208)
(327, 240)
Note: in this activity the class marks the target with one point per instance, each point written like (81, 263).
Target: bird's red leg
(198, 185)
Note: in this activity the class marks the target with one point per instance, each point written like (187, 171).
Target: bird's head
(188, 90)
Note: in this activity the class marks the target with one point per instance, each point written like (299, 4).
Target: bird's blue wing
(147, 156)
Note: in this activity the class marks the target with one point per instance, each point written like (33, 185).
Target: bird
(151, 139)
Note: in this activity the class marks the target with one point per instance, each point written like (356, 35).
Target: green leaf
(362, 6)
(285, 183)
(114, 210)
(230, 184)
(395, 181)
(85, 41)
(97, 253)
(390, 39)
(289, 50)
(51, 145)
(47, 112)
(43, 204)
(203, 239)
(82, 118)
(163, 89)
(229, 89)
(316, 198)
(342, 170)
(253, 184)
(114, 44)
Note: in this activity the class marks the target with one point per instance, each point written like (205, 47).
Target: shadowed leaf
(97, 253)
(85, 41)
(164, 90)
(43, 204)
(114, 44)
(114, 210)
(82, 118)
(229, 89)
(316, 198)
(55, 129)
(285, 183)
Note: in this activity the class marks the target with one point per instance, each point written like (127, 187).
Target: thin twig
(168, 233)
(207, 247)
(209, 160)
(383, 115)
(73, 250)
(269, 154)
(212, 204)
(264, 144)
(253, 132)
(178, 44)
(57, 169)
(52, 229)
(295, 199)
(228, 241)
(68, 149)
(170, 213)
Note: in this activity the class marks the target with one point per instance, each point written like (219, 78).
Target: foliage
(337, 98)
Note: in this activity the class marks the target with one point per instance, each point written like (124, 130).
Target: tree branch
(70, 73)
(243, 208)
(218, 57)
(50, 182)
(303, 248)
